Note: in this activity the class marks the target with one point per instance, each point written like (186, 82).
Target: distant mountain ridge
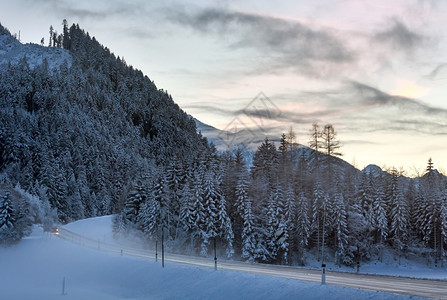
(246, 141)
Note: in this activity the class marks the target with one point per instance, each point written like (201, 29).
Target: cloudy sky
(376, 70)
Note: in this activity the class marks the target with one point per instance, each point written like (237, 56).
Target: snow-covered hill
(36, 267)
(374, 170)
(226, 140)
(12, 51)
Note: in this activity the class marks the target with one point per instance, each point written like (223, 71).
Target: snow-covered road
(399, 285)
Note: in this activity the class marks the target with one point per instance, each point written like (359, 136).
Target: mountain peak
(373, 169)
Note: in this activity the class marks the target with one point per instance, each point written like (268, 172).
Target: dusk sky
(376, 70)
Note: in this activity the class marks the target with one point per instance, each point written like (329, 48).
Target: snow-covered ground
(12, 51)
(99, 229)
(35, 268)
(391, 266)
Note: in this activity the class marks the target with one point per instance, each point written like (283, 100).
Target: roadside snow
(100, 229)
(35, 268)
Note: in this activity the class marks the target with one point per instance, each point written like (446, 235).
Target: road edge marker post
(215, 255)
(162, 248)
(323, 274)
(63, 286)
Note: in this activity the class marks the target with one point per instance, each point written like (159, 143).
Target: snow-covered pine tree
(418, 213)
(430, 219)
(443, 216)
(302, 178)
(365, 197)
(148, 218)
(193, 212)
(210, 203)
(120, 224)
(225, 226)
(316, 222)
(238, 209)
(272, 225)
(186, 209)
(6, 212)
(380, 220)
(77, 208)
(282, 240)
(290, 199)
(342, 253)
(284, 162)
(228, 185)
(175, 180)
(23, 214)
(135, 199)
(8, 233)
(399, 222)
(159, 205)
(248, 232)
(302, 225)
(265, 162)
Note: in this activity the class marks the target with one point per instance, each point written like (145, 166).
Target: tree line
(291, 202)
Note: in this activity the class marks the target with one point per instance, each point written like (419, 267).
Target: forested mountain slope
(78, 125)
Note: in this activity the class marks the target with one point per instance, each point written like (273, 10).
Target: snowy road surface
(399, 285)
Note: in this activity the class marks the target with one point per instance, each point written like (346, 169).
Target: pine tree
(194, 211)
(159, 205)
(8, 232)
(120, 225)
(135, 199)
(225, 227)
(51, 36)
(241, 194)
(443, 216)
(318, 212)
(66, 43)
(210, 198)
(418, 213)
(399, 222)
(314, 140)
(381, 223)
(248, 232)
(284, 160)
(175, 180)
(365, 198)
(342, 253)
(187, 208)
(7, 219)
(303, 225)
(330, 146)
(282, 240)
(429, 168)
(430, 220)
(265, 162)
(148, 217)
(272, 226)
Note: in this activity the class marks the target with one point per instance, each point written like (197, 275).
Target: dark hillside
(87, 128)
